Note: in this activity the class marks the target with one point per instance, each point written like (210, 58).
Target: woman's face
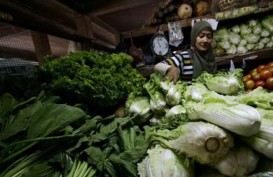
(204, 40)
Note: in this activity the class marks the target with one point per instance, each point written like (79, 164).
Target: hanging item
(159, 43)
(175, 33)
(135, 52)
(184, 11)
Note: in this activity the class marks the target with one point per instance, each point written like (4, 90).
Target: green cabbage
(221, 34)
(257, 29)
(224, 44)
(245, 29)
(204, 142)
(228, 83)
(242, 49)
(234, 38)
(251, 38)
(262, 141)
(238, 118)
(267, 23)
(231, 50)
(239, 161)
(236, 29)
(162, 162)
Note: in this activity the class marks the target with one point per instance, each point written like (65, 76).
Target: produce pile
(253, 35)
(210, 128)
(261, 76)
(95, 78)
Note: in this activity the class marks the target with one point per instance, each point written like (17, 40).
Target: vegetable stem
(212, 144)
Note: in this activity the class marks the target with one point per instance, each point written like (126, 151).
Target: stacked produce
(255, 34)
(168, 130)
(261, 76)
(96, 78)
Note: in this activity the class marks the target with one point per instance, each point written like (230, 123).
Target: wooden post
(41, 44)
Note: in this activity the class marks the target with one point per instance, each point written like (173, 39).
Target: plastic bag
(175, 33)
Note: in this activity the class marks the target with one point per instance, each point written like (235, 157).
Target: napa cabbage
(201, 141)
(163, 162)
(228, 83)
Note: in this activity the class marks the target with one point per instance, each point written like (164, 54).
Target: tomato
(260, 68)
(265, 74)
(250, 84)
(270, 68)
(270, 64)
(269, 83)
(246, 77)
(256, 76)
(259, 83)
(253, 71)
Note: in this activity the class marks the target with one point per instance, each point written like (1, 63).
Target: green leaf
(21, 121)
(7, 103)
(51, 118)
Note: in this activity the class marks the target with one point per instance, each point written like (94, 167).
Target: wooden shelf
(152, 29)
(253, 56)
(236, 13)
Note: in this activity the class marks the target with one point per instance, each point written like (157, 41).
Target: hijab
(202, 61)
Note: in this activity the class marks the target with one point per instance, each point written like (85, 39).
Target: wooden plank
(41, 44)
(122, 5)
(104, 32)
(152, 29)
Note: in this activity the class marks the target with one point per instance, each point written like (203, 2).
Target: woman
(190, 64)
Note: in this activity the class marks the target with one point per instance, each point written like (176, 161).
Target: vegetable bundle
(192, 132)
(217, 126)
(255, 34)
(90, 77)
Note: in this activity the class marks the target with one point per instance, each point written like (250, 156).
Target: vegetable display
(250, 35)
(200, 131)
(261, 76)
(90, 77)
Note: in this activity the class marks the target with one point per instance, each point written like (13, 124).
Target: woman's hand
(173, 74)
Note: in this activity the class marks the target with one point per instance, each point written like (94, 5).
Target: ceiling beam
(105, 32)
(121, 5)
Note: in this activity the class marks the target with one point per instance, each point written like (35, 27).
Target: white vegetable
(243, 42)
(241, 49)
(162, 162)
(269, 44)
(141, 108)
(240, 161)
(204, 142)
(262, 141)
(231, 50)
(238, 118)
(195, 91)
(234, 38)
(251, 38)
(228, 83)
(174, 94)
(175, 110)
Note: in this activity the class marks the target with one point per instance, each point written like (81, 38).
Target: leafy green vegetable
(239, 161)
(90, 77)
(228, 83)
(204, 142)
(238, 118)
(162, 162)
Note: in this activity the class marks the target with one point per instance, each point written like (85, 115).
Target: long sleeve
(161, 68)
